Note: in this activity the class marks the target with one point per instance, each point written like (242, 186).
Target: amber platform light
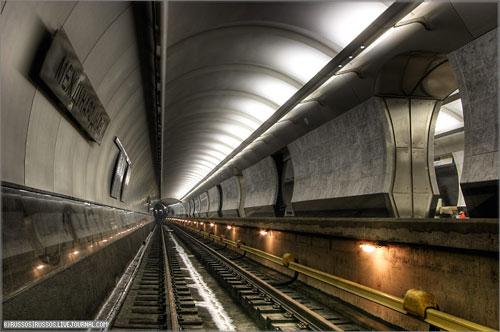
(367, 247)
(212, 224)
(229, 226)
(40, 266)
(263, 232)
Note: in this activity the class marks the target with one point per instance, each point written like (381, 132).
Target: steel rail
(172, 318)
(433, 317)
(299, 310)
(116, 298)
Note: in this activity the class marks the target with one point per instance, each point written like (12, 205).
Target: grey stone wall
(261, 187)
(231, 196)
(204, 204)
(476, 70)
(197, 204)
(186, 208)
(350, 156)
(191, 208)
(214, 201)
(178, 209)
(475, 67)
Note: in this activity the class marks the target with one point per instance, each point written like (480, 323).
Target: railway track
(276, 307)
(159, 294)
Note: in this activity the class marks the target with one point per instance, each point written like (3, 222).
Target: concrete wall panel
(261, 188)
(197, 204)
(204, 204)
(475, 68)
(214, 202)
(346, 163)
(231, 196)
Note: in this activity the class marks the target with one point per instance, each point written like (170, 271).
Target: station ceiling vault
(231, 65)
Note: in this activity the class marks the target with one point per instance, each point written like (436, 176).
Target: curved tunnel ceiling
(231, 65)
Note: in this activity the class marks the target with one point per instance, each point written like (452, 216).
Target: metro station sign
(63, 75)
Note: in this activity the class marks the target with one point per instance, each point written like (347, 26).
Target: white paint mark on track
(210, 301)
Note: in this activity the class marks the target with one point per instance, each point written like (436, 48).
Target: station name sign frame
(64, 76)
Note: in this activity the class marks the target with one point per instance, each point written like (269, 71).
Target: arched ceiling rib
(231, 65)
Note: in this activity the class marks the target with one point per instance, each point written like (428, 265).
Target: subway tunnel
(249, 165)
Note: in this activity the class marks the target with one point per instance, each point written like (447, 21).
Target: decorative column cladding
(414, 189)
(475, 69)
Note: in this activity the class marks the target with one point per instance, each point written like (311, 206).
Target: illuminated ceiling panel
(231, 65)
(450, 117)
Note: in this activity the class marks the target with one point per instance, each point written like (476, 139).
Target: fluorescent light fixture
(255, 108)
(299, 61)
(274, 89)
(450, 117)
(443, 162)
(351, 18)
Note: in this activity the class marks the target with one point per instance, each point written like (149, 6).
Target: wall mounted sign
(63, 75)
(121, 173)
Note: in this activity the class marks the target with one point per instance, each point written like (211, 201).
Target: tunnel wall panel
(178, 210)
(214, 202)
(231, 197)
(186, 208)
(204, 204)
(191, 208)
(261, 188)
(197, 206)
(45, 148)
(345, 166)
(475, 68)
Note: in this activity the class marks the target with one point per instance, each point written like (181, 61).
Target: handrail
(432, 316)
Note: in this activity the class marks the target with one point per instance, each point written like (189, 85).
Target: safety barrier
(416, 303)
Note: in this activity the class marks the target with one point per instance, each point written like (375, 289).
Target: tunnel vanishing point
(249, 165)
